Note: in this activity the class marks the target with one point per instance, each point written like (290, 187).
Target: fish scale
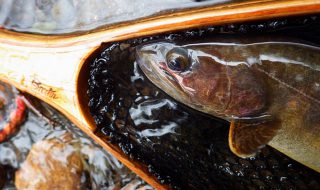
(196, 154)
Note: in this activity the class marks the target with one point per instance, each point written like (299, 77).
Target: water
(53, 137)
(65, 16)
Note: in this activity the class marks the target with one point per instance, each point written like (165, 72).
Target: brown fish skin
(224, 87)
(298, 136)
(248, 83)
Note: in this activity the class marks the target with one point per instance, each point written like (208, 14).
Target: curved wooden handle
(47, 73)
(52, 75)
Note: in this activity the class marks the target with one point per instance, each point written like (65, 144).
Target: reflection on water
(63, 16)
(57, 146)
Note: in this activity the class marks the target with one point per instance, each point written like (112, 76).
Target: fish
(269, 90)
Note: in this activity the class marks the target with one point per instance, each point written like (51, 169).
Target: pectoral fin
(245, 139)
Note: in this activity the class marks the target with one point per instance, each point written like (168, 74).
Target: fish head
(186, 74)
(216, 79)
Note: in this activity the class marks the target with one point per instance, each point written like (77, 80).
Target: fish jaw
(153, 64)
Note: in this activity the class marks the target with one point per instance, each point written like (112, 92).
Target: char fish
(269, 91)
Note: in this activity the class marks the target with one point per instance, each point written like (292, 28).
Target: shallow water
(180, 146)
(65, 16)
(101, 170)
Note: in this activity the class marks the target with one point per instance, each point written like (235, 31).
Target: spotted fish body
(268, 90)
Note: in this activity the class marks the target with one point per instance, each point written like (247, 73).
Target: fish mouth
(154, 67)
(141, 59)
(150, 59)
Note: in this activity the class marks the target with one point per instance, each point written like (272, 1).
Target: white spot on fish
(316, 86)
(252, 61)
(299, 78)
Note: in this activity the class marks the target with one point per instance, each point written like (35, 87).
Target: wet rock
(22, 13)
(51, 164)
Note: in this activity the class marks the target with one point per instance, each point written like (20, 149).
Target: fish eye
(178, 59)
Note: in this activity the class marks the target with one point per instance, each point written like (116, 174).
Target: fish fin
(245, 139)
